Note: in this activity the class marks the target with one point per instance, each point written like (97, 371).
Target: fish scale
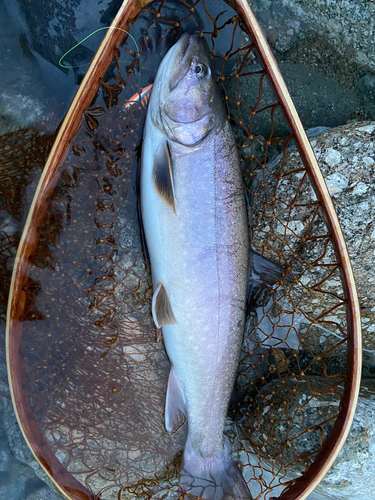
(195, 221)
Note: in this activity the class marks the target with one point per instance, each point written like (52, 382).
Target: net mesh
(95, 374)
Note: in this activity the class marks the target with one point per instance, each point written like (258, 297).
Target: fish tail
(213, 479)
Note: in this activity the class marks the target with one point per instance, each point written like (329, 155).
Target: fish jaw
(186, 106)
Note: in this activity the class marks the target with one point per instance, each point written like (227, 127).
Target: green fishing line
(88, 36)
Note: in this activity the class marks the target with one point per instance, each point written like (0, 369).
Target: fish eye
(199, 70)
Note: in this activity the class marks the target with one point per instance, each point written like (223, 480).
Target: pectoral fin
(162, 175)
(161, 308)
(262, 275)
(175, 404)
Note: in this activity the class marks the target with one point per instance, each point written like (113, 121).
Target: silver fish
(195, 222)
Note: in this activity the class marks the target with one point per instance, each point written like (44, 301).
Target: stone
(18, 446)
(15, 438)
(319, 99)
(25, 96)
(345, 26)
(346, 157)
(308, 404)
(355, 465)
(336, 183)
(366, 88)
(14, 476)
(45, 493)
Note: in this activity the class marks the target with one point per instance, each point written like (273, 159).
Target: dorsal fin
(162, 175)
(161, 308)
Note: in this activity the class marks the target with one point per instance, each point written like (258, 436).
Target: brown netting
(94, 371)
(22, 157)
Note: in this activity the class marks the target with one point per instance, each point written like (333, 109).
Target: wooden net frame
(79, 325)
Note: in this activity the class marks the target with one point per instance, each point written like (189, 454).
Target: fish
(195, 222)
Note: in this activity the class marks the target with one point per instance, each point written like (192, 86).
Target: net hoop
(63, 480)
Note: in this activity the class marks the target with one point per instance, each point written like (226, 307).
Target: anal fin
(161, 308)
(174, 404)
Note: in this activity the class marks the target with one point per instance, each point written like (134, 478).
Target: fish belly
(200, 255)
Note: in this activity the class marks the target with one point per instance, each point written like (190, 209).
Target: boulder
(345, 25)
(320, 100)
(347, 160)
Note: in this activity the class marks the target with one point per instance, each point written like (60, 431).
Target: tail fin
(213, 479)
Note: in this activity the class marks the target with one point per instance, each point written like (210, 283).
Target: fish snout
(188, 47)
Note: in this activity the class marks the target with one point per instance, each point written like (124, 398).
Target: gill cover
(189, 104)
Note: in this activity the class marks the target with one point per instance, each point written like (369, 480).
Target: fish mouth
(185, 42)
(187, 122)
(181, 69)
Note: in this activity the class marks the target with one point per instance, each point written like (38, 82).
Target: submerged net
(95, 374)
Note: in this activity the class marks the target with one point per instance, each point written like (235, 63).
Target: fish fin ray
(262, 274)
(174, 404)
(161, 308)
(162, 175)
(210, 481)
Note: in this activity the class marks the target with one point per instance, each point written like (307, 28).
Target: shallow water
(85, 204)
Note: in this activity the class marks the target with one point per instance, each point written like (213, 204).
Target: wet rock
(319, 99)
(13, 475)
(308, 406)
(346, 25)
(366, 87)
(44, 493)
(355, 464)
(18, 446)
(30, 94)
(15, 438)
(62, 25)
(18, 111)
(347, 160)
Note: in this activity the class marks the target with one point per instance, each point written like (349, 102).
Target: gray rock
(5, 454)
(45, 493)
(18, 446)
(307, 406)
(15, 438)
(319, 99)
(13, 481)
(25, 97)
(366, 87)
(352, 474)
(346, 25)
(355, 464)
(346, 157)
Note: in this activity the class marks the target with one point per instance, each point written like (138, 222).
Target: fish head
(186, 104)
